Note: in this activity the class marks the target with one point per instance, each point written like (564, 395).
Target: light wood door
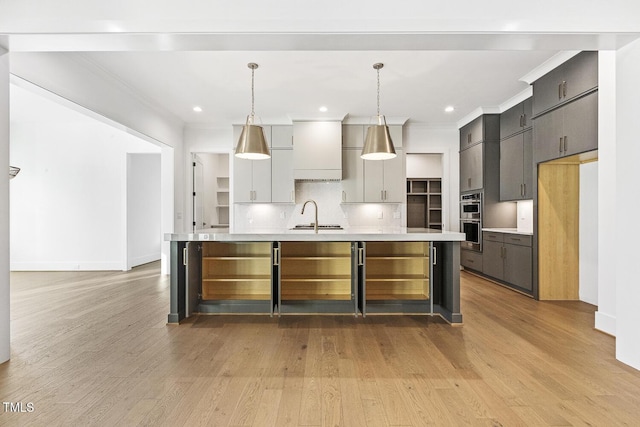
(558, 231)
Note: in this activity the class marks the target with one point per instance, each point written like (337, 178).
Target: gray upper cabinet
(565, 131)
(576, 76)
(471, 168)
(484, 128)
(516, 119)
(516, 167)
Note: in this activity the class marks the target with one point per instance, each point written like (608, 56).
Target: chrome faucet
(315, 224)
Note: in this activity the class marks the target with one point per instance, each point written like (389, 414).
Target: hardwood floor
(95, 349)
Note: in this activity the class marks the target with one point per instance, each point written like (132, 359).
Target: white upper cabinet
(317, 150)
(371, 181)
(251, 178)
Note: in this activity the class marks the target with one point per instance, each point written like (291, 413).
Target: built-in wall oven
(471, 221)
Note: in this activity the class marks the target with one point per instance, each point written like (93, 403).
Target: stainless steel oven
(471, 221)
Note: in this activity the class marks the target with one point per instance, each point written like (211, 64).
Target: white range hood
(317, 150)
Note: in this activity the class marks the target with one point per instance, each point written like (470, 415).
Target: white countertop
(509, 230)
(351, 234)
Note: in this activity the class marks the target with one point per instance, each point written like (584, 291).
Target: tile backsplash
(328, 196)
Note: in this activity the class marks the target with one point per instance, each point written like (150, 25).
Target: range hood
(317, 150)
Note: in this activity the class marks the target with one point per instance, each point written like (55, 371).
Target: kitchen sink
(320, 227)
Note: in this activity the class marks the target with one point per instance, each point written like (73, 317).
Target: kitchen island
(357, 271)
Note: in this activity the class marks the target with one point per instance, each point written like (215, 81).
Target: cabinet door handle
(469, 182)
(360, 256)
(505, 251)
(344, 196)
(521, 191)
(521, 121)
(276, 256)
(564, 89)
(381, 195)
(565, 144)
(469, 138)
(560, 146)
(184, 256)
(385, 194)
(435, 255)
(560, 91)
(524, 120)
(524, 189)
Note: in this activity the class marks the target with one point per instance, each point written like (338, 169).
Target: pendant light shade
(378, 144)
(252, 144)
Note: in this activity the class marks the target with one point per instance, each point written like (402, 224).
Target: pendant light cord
(378, 70)
(252, 96)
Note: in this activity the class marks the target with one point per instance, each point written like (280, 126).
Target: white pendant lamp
(378, 144)
(252, 144)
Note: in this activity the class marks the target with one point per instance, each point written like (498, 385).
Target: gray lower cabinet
(471, 260)
(492, 261)
(516, 167)
(508, 258)
(568, 130)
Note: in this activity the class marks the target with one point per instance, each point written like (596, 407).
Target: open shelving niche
(396, 277)
(222, 201)
(316, 277)
(237, 277)
(424, 203)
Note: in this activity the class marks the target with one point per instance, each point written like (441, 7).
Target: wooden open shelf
(397, 271)
(236, 271)
(315, 271)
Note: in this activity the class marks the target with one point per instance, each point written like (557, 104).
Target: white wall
(68, 204)
(4, 208)
(144, 226)
(424, 165)
(202, 139)
(627, 204)
(605, 318)
(79, 82)
(588, 269)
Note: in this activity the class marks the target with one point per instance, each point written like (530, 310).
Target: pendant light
(13, 171)
(378, 144)
(252, 143)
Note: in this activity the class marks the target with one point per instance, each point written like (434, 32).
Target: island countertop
(351, 234)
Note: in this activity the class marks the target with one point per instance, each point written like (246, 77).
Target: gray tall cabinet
(516, 152)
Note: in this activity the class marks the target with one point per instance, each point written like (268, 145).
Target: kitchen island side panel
(177, 311)
(448, 254)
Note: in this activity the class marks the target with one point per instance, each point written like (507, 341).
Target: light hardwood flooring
(95, 349)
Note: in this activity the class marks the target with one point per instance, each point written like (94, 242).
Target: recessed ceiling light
(197, 109)
(449, 109)
(323, 109)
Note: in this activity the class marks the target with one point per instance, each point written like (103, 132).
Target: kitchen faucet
(315, 224)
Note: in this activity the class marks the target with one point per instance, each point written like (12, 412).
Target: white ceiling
(417, 85)
(176, 55)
